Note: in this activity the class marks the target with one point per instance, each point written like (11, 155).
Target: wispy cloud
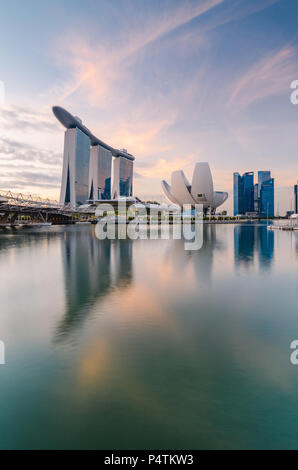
(170, 82)
(163, 168)
(24, 166)
(25, 180)
(269, 76)
(23, 119)
(22, 152)
(98, 68)
(26, 161)
(143, 137)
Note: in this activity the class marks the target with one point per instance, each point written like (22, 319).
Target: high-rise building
(100, 173)
(248, 191)
(243, 193)
(256, 198)
(250, 197)
(262, 177)
(296, 198)
(266, 202)
(238, 194)
(74, 188)
(265, 193)
(122, 177)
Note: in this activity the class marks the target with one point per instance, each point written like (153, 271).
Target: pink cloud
(268, 76)
(96, 69)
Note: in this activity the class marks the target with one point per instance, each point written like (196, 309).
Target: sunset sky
(173, 81)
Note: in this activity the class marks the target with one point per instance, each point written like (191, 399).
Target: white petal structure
(167, 190)
(201, 190)
(202, 183)
(219, 198)
(181, 188)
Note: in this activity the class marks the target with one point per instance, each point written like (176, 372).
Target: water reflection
(251, 241)
(296, 240)
(201, 260)
(26, 238)
(265, 246)
(92, 268)
(157, 346)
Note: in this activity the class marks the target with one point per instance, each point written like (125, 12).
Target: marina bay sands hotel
(87, 165)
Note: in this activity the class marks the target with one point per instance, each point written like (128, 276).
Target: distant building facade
(296, 198)
(100, 173)
(122, 178)
(243, 193)
(75, 173)
(254, 198)
(266, 200)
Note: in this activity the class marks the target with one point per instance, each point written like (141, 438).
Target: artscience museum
(200, 191)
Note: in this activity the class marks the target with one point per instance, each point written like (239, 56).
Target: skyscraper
(256, 198)
(74, 188)
(122, 177)
(238, 194)
(266, 193)
(296, 198)
(243, 193)
(262, 177)
(100, 173)
(248, 191)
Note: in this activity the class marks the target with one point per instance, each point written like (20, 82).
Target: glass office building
(262, 177)
(266, 203)
(100, 173)
(265, 193)
(243, 193)
(250, 197)
(123, 174)
(296, 198)
(256, 198)
(238, 199)
(248, 192)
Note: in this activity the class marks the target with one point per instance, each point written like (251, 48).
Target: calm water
(127, 345)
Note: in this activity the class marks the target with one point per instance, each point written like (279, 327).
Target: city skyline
(254, 198)
(174, 83)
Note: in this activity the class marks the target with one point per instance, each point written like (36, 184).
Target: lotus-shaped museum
(199, 192)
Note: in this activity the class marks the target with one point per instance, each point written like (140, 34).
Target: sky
(173, 81)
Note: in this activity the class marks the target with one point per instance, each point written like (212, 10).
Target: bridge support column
(8, 218)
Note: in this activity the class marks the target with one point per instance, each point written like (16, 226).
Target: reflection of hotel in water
(251, 241)
(92, 268)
